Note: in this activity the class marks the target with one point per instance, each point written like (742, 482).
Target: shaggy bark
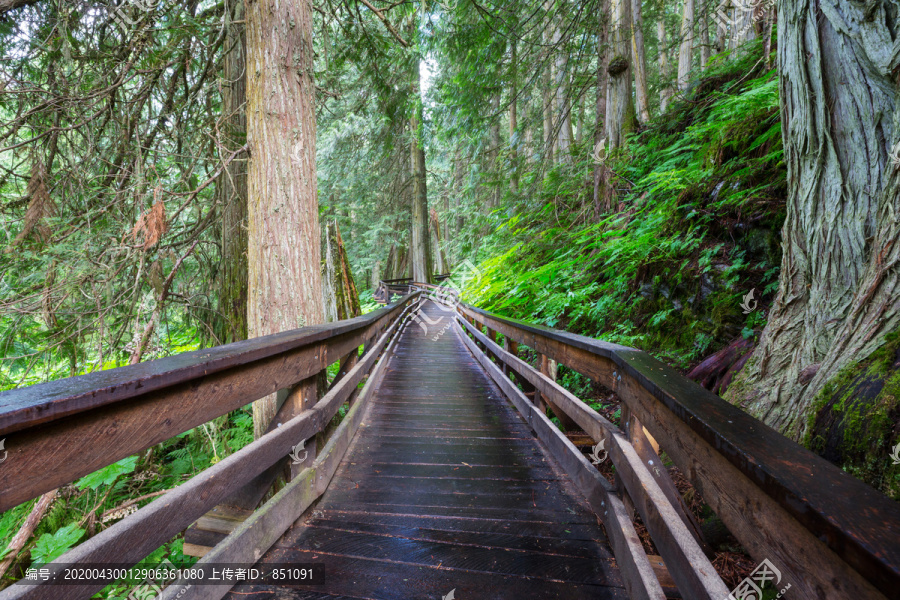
(27, 530)
(285, 282)
(420, 240)
(839, 286)
(231, 326)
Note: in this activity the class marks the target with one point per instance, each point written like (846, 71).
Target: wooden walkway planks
(445, 488)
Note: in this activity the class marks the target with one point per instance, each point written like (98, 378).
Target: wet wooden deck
(445, 488)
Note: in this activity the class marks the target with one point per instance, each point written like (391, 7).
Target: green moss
(855, 416)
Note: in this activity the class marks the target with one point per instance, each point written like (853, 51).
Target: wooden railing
(59, 431)
(828, 534)
(387, 288)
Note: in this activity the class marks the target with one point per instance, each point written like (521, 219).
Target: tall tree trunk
(446, 231)
(705, 46)
(494, 151)
(232, 184)
(339, 295)
(686, 53)
(546, 95)
(285, 283)
(603, 53)
(640, 62)
(665, 91)
(620, 115)
(513, 121)
(419, 243)
(561, 83)
(579, 129)
(840, 282)
(440, 258)
(721, 36)
(744, 19)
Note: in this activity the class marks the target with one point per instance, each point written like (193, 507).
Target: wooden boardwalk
(445, 488)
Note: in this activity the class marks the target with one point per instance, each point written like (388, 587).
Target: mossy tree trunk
(839, 291)
(231, 325)
(285, 283)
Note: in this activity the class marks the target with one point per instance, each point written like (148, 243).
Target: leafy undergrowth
(701, 198)
(99, 500)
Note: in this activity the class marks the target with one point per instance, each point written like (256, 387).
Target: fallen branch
(716, 371)
(125, 505)
(27, 529)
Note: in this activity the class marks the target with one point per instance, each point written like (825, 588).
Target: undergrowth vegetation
(701, 196)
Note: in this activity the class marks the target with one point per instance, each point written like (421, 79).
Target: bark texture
(232, 185)
(839, 287)
(285, 283)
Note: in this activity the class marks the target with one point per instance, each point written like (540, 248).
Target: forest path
(445, 488)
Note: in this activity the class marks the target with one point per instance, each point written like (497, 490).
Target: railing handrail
(44, 402)
(854, 520)
(68, 428)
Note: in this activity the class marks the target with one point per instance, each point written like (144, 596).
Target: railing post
(648, 449)
(301, 397)
(548, 368)
(511, 347)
